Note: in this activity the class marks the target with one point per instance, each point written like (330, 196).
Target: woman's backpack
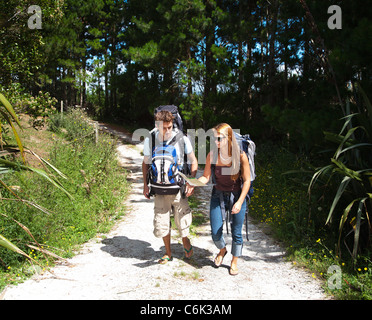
(249, 147)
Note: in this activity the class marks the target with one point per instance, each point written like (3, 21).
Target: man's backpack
(177, 122)
(163, 176)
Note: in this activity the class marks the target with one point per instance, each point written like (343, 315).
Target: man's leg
(162, 210)
(183, 219)
(167, 245)
(187, 247)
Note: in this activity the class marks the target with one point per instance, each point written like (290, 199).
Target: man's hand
(146, 191)
(189, 190)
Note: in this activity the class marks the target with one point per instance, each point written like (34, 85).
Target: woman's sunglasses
(218, 139)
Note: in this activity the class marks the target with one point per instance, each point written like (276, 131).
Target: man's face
(165, 130)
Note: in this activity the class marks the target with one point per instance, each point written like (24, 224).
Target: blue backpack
(164, 178)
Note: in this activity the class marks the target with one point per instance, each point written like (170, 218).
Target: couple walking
(226, 165)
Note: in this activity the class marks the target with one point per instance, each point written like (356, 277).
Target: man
(164, 205)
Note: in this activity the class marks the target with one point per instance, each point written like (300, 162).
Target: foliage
(8, 165)
(73, 125)
(256, 65)
(97, 183)
(282, 207)
(38, 107)
(351, 168)
(277, 201)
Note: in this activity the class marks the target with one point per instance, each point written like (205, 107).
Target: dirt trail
(123, 263)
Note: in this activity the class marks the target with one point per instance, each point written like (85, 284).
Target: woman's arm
(207, 170)
(246, 175)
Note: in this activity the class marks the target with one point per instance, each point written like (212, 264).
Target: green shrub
(98, 186)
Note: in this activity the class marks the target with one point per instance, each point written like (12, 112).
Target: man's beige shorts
(163, 207)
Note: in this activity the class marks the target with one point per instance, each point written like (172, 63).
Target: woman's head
(226, 143)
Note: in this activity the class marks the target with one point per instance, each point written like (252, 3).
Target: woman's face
(220, 140)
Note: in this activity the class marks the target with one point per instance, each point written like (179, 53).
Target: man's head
(164, 122)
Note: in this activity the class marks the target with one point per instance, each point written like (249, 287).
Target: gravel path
(123, 263)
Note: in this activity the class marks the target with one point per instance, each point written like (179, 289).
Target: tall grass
(96, 181)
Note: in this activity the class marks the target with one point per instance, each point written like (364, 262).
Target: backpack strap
(175, 139)
(213, 176)
(213, 166)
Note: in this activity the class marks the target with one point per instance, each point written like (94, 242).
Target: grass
(95, 179)
(281, 202)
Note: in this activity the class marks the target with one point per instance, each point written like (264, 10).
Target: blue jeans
(216, 220)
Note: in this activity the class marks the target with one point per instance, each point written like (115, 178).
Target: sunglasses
(219, 139)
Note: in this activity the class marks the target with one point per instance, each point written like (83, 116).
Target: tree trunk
(272, 65)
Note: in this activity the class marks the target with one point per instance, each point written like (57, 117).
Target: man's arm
(145, 169)
(194, 163)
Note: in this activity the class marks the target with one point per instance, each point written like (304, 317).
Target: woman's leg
(237, 244)
(216, 222)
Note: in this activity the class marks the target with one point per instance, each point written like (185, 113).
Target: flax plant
(8, 164)
(351, 169)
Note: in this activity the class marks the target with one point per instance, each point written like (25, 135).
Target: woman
(230, 171)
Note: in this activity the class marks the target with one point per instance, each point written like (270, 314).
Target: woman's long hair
(233, 149)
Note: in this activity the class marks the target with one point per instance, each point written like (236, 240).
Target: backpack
(163, 178)
(177, 122)
(249, 147)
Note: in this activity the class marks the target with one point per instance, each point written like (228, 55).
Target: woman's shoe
(217, 265)
(233, 271)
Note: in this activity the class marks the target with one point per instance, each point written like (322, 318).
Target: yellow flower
(318, 240)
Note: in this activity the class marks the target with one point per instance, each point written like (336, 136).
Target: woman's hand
(236, 207)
